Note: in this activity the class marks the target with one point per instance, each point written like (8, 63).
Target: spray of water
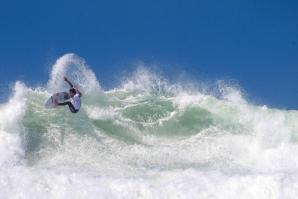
(146, 138)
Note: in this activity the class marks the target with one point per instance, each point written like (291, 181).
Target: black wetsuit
(70, 105)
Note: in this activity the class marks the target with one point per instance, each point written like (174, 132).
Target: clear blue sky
(253, 42)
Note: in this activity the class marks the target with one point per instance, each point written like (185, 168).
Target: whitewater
(145, 138)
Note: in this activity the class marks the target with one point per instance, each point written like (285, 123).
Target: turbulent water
(147, 138)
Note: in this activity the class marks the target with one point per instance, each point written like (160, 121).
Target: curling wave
(147, 138)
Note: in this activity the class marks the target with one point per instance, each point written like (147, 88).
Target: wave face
(147, 138)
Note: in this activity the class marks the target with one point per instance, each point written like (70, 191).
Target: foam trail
(76, 70)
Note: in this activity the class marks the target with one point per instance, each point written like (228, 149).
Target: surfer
(75, 94)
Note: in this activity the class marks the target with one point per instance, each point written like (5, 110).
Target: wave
(146, 132)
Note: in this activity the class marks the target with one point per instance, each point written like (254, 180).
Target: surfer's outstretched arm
(77, 90)
(70, 84)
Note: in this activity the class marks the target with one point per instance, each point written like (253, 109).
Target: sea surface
(146, 138)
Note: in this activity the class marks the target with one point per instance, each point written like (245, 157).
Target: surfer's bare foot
(56, 103)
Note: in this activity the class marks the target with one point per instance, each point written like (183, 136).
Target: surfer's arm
(77, 90)
(70, 84)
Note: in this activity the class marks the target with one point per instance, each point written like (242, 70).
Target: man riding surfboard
(75, 94)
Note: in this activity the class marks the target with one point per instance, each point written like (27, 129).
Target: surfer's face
(71, 94)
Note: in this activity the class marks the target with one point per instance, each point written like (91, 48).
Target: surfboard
(60, 97)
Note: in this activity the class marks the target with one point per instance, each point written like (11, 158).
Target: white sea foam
(148, 138)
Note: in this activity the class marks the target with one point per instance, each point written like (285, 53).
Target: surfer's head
(72, 92)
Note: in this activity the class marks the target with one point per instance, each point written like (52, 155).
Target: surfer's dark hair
(73, 90)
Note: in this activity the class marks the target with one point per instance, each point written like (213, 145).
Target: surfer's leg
(70, 105)
(72, 108)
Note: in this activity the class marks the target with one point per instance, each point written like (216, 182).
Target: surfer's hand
(65, 79)
(56, 102)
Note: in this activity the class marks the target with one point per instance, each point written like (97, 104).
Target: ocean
(145, 138)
